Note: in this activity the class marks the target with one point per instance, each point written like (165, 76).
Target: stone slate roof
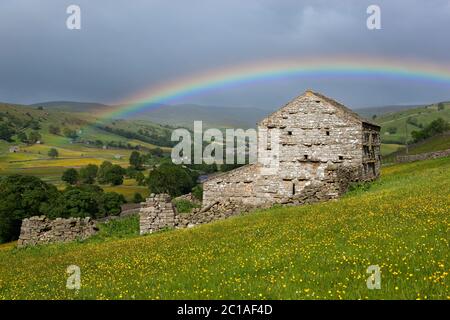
(330, 101)
(343, 108)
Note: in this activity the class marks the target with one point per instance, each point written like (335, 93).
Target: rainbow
(324, 67)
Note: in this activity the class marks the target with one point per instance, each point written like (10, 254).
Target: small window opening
(305, 157)
(317, 101)
(289, 133)
(293, 189)
(341, 158)
(328, 133)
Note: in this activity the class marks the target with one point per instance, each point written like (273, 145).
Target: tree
(6, 132)
(69, 133)
(54, 130)
(140, 178)
(111, 203)
(136, 160)
(34, 137)
(138, 198)
(70, 176)
(53, 153)
(435, 127)
(85, 201)
(115, 175)
(88, 173)
(441, 106)
(103, 170)
(74, 202)
(172, 179)
(109, 173)
(22, 136)
(34, 124)
(22, 197)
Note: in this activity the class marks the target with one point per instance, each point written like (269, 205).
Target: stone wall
(156, 213)
(424, 156)
(237, 185)
(41, 230)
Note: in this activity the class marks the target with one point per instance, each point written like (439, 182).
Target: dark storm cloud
(126, 46)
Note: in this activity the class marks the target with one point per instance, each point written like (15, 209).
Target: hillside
(94, 142)
(319, 251)
(212, 116)
(436, 143)
(180, 115)
(369, 112)
(72, 106)
(396, 127)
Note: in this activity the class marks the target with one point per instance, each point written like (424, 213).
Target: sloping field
(322, 251)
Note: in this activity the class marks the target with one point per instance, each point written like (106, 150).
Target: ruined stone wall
(424, 156)
(41, 230)
(156, 213)
(215, 211)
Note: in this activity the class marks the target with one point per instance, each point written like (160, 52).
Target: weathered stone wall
(424, 156)
(215, 211)
(156, 213)
(41, 230)
(237, 185)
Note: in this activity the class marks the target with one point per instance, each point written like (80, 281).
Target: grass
(436, 143)
(388, 148)
(320, 251)
(117, 229)
(128, 191)
(185, 206)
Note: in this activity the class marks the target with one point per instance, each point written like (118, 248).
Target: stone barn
(309, 150)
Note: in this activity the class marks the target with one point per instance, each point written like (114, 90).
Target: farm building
(309, 150)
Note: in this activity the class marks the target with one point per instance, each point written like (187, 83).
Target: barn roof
(333, 103)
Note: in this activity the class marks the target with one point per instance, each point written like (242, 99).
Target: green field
(320, 251)
(34, 160)
(388, 148)
(436, 143)
(399, 120)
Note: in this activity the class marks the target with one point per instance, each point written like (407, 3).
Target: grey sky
(125, 46)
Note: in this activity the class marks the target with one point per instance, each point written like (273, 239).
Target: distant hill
(89, 129)
(212, 116)
(382, 110)
(71, 106)
(178, 115)
(396, 127)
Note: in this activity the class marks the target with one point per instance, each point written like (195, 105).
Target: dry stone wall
(158, 213)
(41, 230)
(424, 156)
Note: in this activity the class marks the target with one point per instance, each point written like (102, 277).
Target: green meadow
(321, 251)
